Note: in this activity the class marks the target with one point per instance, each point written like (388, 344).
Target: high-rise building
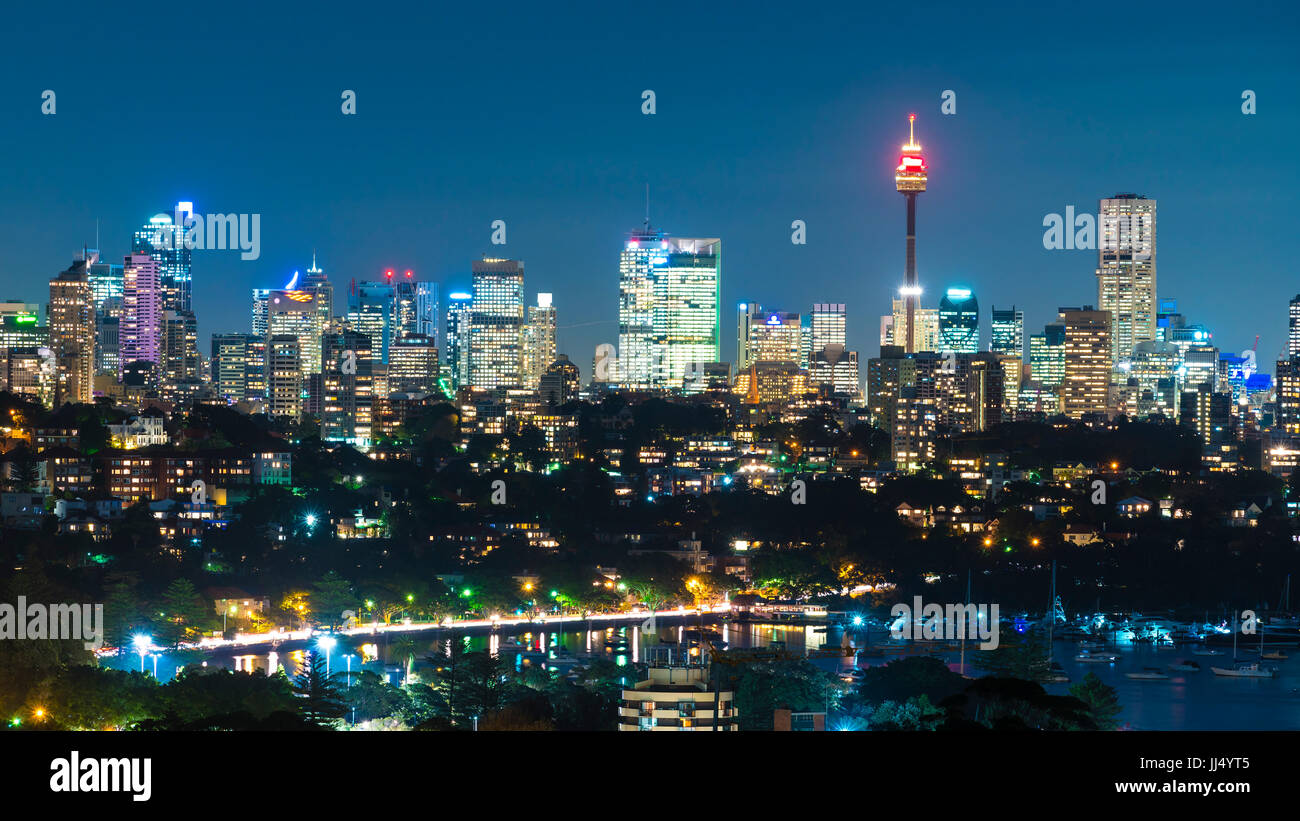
(417, 307)
(1086, 386)
(179, 371)
(1126, 271)
(163, 240)
(295, 313)
(72, 332)
(1293, 331)
(140, 334)
(539, 341)
(1208, 412)
(668, 309)
(348, 381)
(1008, 332)
(748, 315)
(496, 324)
(413, 365)
(458, 318)
(776, 337)
(230, 365)
(959, 321)
(925, 327)
(909, 180)
(106, 282)
(372, 310)
(284, 376)
(828, 325)
(261, 298)
(559, 382)
(1047, 356)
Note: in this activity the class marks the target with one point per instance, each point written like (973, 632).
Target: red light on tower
(389, 273)
(408, 274)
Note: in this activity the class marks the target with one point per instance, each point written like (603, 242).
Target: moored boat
(1147, 674)
(1244, 670)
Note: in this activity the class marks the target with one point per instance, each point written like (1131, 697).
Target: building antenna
(647, 207)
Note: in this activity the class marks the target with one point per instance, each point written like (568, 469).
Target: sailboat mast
(1051, 610)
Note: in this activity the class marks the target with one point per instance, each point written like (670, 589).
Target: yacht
(1148, 674)
(1244, 670)
(1095, 658)
(1185, 666)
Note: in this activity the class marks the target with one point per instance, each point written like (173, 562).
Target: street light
(326, 643)
(141, 643)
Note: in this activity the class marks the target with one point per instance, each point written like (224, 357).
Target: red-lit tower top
(909, 177)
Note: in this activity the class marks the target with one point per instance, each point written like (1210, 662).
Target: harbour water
(1184, 701)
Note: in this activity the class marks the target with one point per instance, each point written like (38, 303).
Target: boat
(1056, 674)
(1148, 674)
(1205, 651)
(1185, 666)
(1276, 655)
(1245, 670)
(1095, 658)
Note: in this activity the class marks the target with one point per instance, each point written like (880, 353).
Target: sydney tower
(909, 178)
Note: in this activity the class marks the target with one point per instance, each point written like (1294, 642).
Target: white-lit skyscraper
(458, 318)
(496, 324)
(1126, 271)
(539, 341)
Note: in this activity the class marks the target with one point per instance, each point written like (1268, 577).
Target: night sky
(767, 113)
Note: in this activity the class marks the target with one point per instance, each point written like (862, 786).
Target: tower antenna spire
(647, 207)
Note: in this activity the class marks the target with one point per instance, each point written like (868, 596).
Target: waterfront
(1184, 701)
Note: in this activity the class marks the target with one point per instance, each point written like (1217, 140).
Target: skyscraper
(140, 334)
(777, 337)
(748, 315)
(539, 340)
(687, 325)
(925, 327)
(458, 317)
(163, 240)
(413, 365)
(1126, 271)
(1008, 332)
(416, 306)
(910, 180)
(668, 308)
(829, 325)
(959, 321)
(72, 332)
(372, 310)
(496, 324)
(348, 381)
(294, 313)
(1293, 331)
(1047, 355)
(284, 377)
(1086, 386)
(179, 371)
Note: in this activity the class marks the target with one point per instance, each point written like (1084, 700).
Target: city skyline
(832, 178)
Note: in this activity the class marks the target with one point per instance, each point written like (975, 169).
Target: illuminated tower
(909, 179)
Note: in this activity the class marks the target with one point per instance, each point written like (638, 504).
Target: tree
(330, 597)
(183, 612)
(917, 713)
(1018, 655)
(1102, 701)
(320, 703)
